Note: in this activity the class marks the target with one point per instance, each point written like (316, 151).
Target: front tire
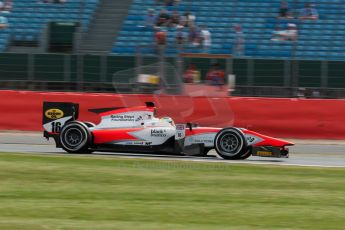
(75, 137)
(246, 154)
(231, 144)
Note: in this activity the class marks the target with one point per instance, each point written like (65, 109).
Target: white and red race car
(137, 130)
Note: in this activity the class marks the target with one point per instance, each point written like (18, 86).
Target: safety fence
(99, 71)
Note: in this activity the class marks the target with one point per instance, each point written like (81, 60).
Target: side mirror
(190, 126)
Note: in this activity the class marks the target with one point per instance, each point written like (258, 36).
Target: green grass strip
(85, 192)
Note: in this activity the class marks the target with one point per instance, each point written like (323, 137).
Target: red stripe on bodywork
(126, 110)
(104, 136)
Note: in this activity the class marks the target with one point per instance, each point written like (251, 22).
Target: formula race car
(137, 130)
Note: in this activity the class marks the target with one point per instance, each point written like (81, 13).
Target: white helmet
(168, 120)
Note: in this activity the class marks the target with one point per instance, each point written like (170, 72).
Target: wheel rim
(230, 144)
(73, 137)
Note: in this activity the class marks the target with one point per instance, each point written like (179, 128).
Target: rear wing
(56, 114)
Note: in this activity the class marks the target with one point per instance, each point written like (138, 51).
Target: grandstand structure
(28, 19)
(112, 34)
(318, 39)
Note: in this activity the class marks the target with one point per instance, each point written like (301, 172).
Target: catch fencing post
(103, 68)
(67, 70)
(80, 72)
(138, 67)
(228, 66)
(179, 62)
(324, 74)
(161, 49)
(250, 72)
(287, 73)
(31, 67)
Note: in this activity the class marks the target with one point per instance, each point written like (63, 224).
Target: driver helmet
(168, 120)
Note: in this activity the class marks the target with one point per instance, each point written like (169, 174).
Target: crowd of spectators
(309, 12)
(187, 32)
(167, 19)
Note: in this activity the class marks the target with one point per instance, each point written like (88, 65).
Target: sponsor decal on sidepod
(54, 114)
(158, 133)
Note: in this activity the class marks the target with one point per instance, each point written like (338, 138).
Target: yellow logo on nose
(264, 153)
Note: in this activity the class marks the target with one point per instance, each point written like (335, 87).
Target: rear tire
(75, 137)
(89, 124)
(231, 144)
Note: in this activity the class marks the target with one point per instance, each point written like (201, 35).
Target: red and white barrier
(292, 118)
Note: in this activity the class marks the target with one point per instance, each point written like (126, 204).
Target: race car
(138, 130)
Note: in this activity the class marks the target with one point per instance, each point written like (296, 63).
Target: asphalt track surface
(320, 153)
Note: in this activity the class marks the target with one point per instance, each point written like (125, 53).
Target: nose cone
(267, 140)
(280, 142)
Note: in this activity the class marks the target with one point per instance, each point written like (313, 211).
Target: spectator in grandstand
(3, 22)
(174, 19)
(180, 35)
(8, 6)
(187, 19)
(160, 37)
(239, 41)
(206, 38)
(166, 2)
(150, 19)
(5, 6)
(290, 34)
(52, 1)
(163, 18)
(216, 75)
(191, 75)
(194, 35)
(171, 2)
(284, 10)
(309, 12)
